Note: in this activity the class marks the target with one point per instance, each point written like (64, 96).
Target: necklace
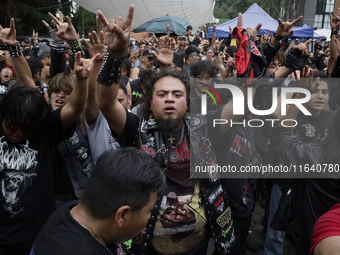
(93, 235)
(171, 139)
(173, 151)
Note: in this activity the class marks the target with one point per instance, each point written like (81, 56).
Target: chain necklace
(93, 235)
(179, 141)
(173, 152)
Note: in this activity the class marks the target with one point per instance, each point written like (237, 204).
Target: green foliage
(229, 9)
(89, 21)
(287, 10)
(28, 15)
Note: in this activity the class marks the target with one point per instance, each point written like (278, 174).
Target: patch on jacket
(238, 145)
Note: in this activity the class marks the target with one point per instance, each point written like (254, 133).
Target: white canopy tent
(195, 12)
(324, 32)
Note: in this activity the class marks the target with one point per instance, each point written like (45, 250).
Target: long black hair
(26, 105)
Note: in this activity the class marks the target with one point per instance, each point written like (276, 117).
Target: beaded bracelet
(14, 51)
(271, 45)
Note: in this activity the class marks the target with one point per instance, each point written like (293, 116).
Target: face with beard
(169, 103)
(166, 127)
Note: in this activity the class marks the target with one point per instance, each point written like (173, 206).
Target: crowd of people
(100, 139)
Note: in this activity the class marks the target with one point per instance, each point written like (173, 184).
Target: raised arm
(228, 111)
(168, 29)
(74, 107)
(57, 48)
(305, 81)
(117, 35)
(335, 23)
(19, 63)
(213, 36)
(296, 59)
(165, 54)
(283, 30)
(264, 37)
(95, 46)
(218, 59)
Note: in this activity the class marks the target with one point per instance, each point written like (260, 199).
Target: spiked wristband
(110, 70)
(14, 51)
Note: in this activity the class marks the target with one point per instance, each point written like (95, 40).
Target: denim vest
(78, 160)
(219, 222)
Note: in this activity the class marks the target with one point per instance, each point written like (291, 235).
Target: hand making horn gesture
(303, 47)
(66, 30)
(117, 32)
(286, 28)
(252, 32)
(265, 37)
(8, 35)
(335, 20)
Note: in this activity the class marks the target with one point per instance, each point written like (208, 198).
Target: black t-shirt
(64, 235)
(3, 90)
(313, 129)
(136, 92)
(26, 197)
(178, 58)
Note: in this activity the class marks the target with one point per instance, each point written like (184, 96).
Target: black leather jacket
(303, 200)
(220, 224)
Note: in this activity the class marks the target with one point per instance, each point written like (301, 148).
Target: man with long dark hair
(28, 132)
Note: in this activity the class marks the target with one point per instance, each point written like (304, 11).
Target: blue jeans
(274, 238)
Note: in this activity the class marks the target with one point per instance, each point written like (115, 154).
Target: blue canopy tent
(253, 16)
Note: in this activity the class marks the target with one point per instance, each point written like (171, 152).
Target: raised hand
(217, 45)
(96, 46)
(66, 30)
(265, 38)
(35, 36)
(83, 67)
(306, 79)
(53, 30)
(286, 28)
(147, 38)
(231, 61)
(230, 29)
(165, 51)
(335, 20)
(168, 26)
(8, 35)
(303, 47)
(117, 32)
(253, 32)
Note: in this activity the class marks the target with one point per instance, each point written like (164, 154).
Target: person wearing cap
(147, 60)
(191, 55)
(179, 53)
(43, 52)
(188, 34)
